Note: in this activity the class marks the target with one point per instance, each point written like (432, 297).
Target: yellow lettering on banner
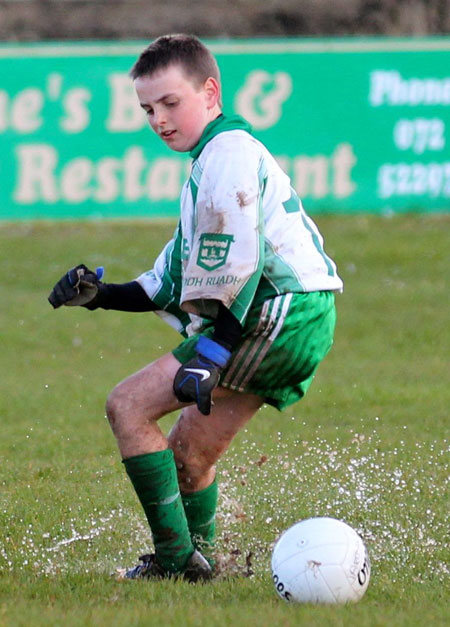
(125, 113)
(342, 161)
(77, 115)
(391, 89)
(311, 176)
(261, 98)
(108, 188)
(75, 179)
(26, 110)
(36, 174)
(319, 175)
(41, 178)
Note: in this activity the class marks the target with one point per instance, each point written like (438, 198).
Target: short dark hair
(184, 50)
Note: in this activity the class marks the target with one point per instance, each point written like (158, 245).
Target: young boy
(246, 281)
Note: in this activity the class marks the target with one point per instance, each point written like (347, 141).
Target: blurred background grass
(368, 443)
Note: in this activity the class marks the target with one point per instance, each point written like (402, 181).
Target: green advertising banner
(358, 124)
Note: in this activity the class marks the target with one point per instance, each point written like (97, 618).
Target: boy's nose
(160, 119)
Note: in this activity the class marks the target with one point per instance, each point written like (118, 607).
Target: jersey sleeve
(162, 284)
(226, 256)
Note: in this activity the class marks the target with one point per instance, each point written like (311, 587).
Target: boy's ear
(212, 90)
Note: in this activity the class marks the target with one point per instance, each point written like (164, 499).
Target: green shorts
(282, 345)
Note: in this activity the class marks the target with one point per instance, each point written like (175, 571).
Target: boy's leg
(200, 508)
(137, 403)
(133, 409)
(198, 441)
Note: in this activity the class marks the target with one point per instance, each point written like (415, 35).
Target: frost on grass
(394, 497)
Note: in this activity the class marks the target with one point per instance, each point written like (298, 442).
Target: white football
(320, 560)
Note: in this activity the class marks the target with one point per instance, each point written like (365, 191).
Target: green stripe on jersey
(317, 244)
(293, 205)
(284, 278)
(170, 290)
(194, 180)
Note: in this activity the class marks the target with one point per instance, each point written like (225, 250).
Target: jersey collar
(219, 125)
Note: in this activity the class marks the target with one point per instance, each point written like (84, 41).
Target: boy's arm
(152, 291)
(122, 297)
(83, 287)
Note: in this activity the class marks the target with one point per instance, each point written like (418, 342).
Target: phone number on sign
(414, 179)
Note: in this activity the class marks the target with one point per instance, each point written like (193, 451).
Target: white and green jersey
(243, 235)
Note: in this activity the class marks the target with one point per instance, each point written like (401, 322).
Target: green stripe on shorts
(282, 345)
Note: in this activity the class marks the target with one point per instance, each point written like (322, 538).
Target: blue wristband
(213, 351)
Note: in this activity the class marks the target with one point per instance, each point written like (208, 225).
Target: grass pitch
(367, 445)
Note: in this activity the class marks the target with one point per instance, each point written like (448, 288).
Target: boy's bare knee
(123, 410)
(115, 411)
(116, 406)
(134, 426)
(145, 396)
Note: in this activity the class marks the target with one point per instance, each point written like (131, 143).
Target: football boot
(196, 569)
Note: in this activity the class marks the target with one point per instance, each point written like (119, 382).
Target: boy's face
(177, 109)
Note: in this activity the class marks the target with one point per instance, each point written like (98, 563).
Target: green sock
(154, 477)
(200, 508)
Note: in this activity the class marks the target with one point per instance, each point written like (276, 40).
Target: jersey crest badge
(213, 251)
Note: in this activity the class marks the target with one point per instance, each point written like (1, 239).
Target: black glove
(196, 379)
(79, 286)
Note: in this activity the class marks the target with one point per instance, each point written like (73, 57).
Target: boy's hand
(196, 379)
(79, 286)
